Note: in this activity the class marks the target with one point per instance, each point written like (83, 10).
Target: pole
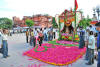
(98, 16)
(59, 29)
(75, 19)
(65, 17)
(75, 22)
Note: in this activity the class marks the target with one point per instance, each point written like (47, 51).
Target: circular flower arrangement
(52, 46)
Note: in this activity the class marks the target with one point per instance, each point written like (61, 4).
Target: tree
(85, 22)
(54, 23)
(29, 23)
(6, 23)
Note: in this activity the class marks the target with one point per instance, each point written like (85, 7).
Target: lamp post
(98, 11)
(94, 14)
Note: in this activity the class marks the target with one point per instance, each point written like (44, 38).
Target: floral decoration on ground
(64, 43)
(59, 55)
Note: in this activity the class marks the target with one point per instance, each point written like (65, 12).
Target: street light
(98, 11)
(94, 12)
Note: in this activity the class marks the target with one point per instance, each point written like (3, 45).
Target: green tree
(6, 23)
(29, 23)
(54, 23)
(85, 22)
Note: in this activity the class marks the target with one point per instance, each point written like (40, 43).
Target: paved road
(17, 46)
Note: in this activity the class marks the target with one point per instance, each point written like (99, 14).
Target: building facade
(40, 20)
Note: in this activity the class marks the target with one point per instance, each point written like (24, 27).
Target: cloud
(10, 13)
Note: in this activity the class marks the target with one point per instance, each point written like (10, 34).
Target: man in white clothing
(86, 43)
(5, 44)
(0, 38)
(91, 47)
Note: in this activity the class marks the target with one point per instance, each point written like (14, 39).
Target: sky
(20, 8)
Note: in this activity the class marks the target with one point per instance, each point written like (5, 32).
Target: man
(0, 38)
(81, 42)
(35, 32)
(32, 39)
(40, 37)
(1, 49)
(98, 42)
(54, 33)
(27, 35)
(36, 35)
(86, 43)
(91, 48)
(92, 28)
(45, 34)
(5, 44)
(50, 35)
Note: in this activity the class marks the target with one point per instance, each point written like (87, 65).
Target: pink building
(40, 20)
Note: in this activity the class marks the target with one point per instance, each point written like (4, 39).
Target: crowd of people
(37, 36)
(90, 38)
(3, 43)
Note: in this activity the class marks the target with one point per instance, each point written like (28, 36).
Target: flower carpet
(58, 55)
(67, 42)
(64, 43)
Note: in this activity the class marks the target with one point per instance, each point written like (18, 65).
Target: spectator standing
(40, 37)
(98, 42)
(10, 32)
(0, 38)
(91, 47)
(35, 32)
(78, 30)
(36, 35)
(86, 43)
(32, 39)
(81, 42)
(5, 44)
(45, 34)
(54, 33)
(50, 35)
(57, 34)
(27, 36)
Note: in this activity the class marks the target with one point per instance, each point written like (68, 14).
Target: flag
(76, 5)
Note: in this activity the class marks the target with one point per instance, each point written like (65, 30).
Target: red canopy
(93, 22)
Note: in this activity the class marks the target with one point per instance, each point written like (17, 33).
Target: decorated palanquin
(68, 25)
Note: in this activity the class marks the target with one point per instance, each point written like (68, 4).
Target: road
(17, 46)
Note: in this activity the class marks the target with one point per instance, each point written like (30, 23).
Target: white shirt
(45, 31)
(91, 44)
(78, 31)
(4, 37)
(86, 36)
(57, 34)
(93, 28)
(0, 39)
(87, 27)
(35, 33)
(41, 32)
